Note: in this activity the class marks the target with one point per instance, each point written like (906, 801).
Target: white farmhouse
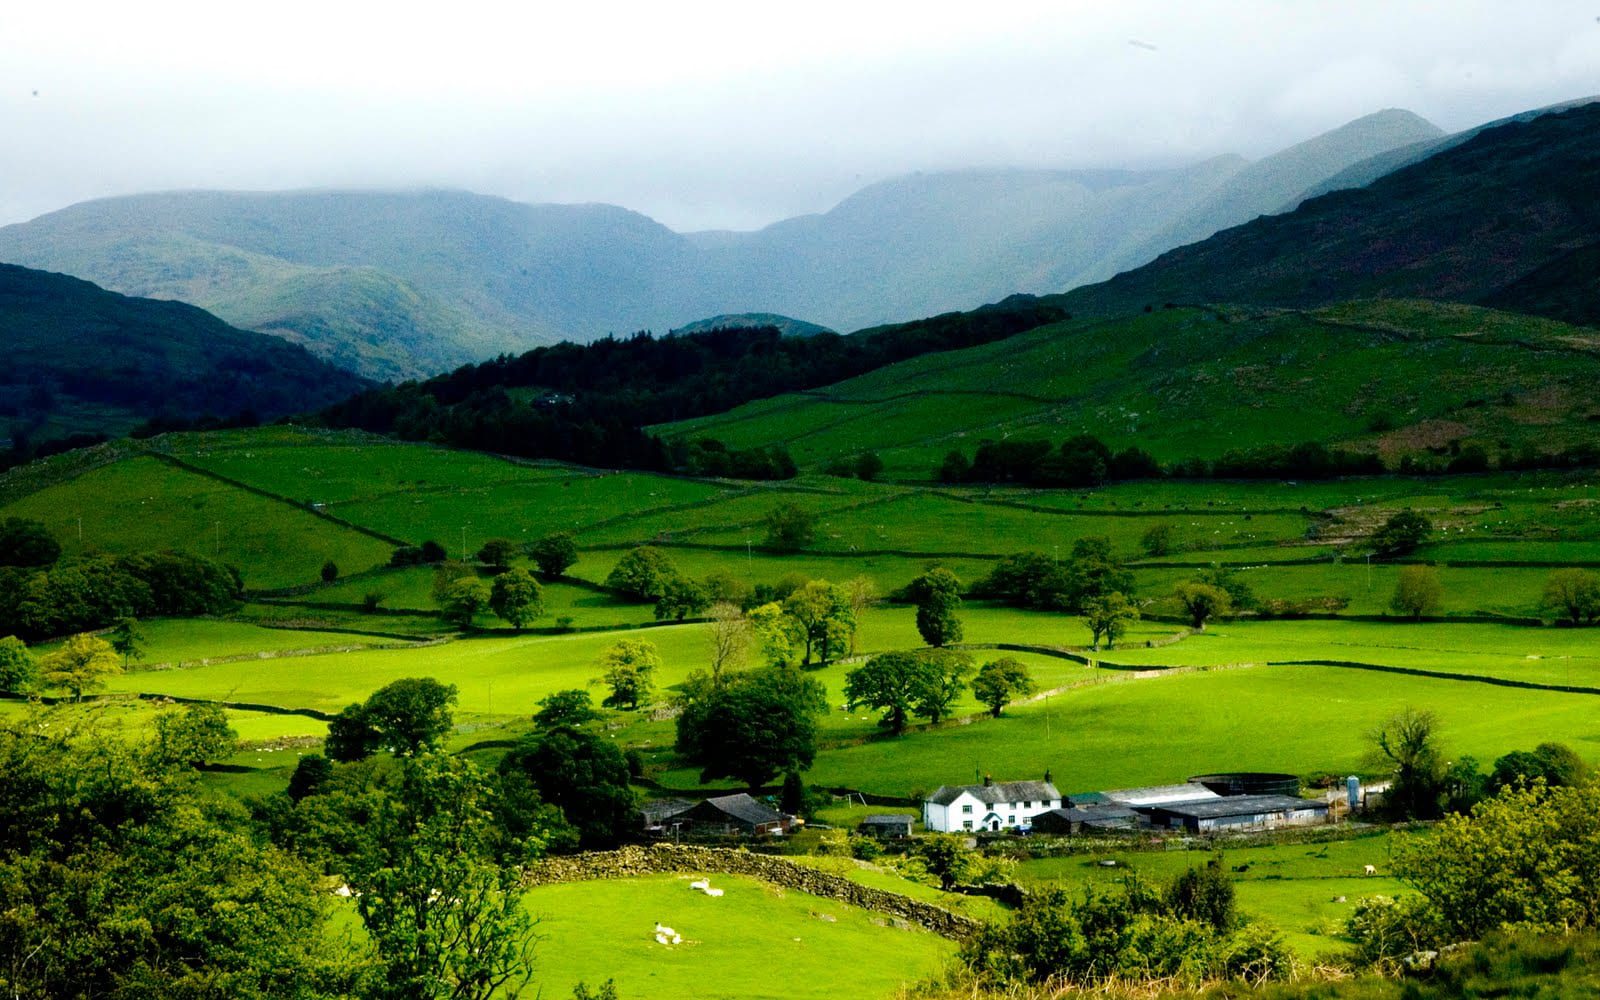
(991, 806)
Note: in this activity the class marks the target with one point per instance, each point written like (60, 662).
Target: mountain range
(400, 285)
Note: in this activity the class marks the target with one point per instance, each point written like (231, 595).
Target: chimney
(1047, 778)
(987, 781)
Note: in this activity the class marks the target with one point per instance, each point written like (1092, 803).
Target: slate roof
(745, 809)
(1091, 814)
(1242, 805)
(1000, 791)
(887, 819)
(659, 810)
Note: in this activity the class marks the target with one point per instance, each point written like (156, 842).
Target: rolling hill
(81, 359)
(401, 285)
(1509, 218)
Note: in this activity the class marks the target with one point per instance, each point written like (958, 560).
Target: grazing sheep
(1371, 870)
(700, 884)
(713, 892)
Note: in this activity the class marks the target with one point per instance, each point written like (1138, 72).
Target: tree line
(590, 403)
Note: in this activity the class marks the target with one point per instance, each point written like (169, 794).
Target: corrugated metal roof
(1159, 795)
(1242, 805)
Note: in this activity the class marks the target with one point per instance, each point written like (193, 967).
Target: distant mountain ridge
(82, 360)
(399, 285)
(1509, 218)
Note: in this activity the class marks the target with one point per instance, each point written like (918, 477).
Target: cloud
(724, 114)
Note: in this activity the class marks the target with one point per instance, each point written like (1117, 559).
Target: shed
(657, 814)
(1087, 817)
(1240, 812)
(735, 814)
(887, 826)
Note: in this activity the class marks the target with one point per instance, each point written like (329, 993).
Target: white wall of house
(967, 813)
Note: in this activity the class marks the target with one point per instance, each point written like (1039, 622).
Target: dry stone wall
(674, 859)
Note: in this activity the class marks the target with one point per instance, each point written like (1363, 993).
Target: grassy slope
(600, 930)
(1198, 382)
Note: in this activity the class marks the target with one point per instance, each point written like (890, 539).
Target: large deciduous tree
(554, 554)
(627, 667)
(642, 574)
(822, 612)
(1417, 592)
(790, 527)
(582, 773)
(754, 726)
(937, 596)
(1109, 615)
(1574, 594)
(1203, 602)
(462, 600)
(1401, 534)
(517, 597)
(890, 683)
(406, 717)
(82, 663)
(1407, 747)
(1000, 682)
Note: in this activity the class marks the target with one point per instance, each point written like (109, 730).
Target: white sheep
(666, 935)
(700, 884)
(713, 892)
(1371, 870)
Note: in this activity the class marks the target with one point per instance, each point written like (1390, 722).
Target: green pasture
(1297, 887)
(1500, 590)
(411, 589)
(521, 511)
(171, 642)
(1136, 730)
(142, 504)
(599, 930)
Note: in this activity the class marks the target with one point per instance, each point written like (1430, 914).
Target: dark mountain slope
(80, 359)
(1510, 217)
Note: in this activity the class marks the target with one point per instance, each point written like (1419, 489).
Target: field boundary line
(1439, 674)
(190, 467)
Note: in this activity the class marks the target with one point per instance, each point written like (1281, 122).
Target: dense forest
(591, 403)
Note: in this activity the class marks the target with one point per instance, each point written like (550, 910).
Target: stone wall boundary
(678, 859)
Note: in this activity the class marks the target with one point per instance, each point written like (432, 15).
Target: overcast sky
(707, 115)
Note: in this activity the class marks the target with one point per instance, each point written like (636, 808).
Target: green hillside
(1394, 377)
(82, 359)
(1510, 217)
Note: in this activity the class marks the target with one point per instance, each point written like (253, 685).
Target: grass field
(600, 930)
(1297, 887)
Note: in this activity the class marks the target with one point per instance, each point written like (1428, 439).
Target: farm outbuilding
(1088, 817)
(732, 815)
(1235, 812)
(886, 826)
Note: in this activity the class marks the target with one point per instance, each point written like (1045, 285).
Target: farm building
(1089, 817)
(734, 815)
(1155, 795)
(886, 826)
(1233, 812)
(991, 806)
(659, 815)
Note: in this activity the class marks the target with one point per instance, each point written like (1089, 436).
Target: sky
(725, 115)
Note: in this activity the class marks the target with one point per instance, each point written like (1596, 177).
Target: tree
(1407, 747)
(497, 554)
(565, 710)
(127, 639)
(27, 543)
(330, 571)
(955, 468)
(822, 612)
(517, 597)
(81, 664)
(437, 887)
(1204, 895)
(641, 574)
(446, 573)
(728, 635)
(890, 683)
(1157, 540)
(1202, 602)
(582, 773)
(946, 857)
(1109, 616)
(19, 671)
(863, 597)
(790, 528)
(310, 775)
(1416, 592)
(463, 600)
(754, 727)
(1001, 681)
(1093, 572)
(122, 877)
(1555, 764)
(942, 680)
(627, 667)
(406, 717)
(937, 595)
(1574, 594)
(351, 735)
(197, 734)
(554, 554)
(776, 633)
(1401, 534)
(680, 598)
(869, 466)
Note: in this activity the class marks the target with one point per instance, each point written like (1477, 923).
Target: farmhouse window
(967, 808)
